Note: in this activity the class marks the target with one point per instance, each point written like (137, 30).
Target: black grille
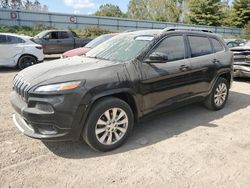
(21, 87)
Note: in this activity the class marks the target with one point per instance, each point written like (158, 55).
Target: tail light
(39, 47)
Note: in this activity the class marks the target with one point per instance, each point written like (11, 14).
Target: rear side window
(217, 45)
(3, 39)
(199, 46)
(13, 40)
(173, 47)
(64, 35)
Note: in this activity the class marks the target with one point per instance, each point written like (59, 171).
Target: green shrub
(89, 32)
(92, 32)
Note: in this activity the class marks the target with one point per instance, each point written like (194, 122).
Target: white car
(19, 51)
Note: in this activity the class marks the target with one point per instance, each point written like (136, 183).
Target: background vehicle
(231, 43)
(242, 60)
(59, 41)
(92, 44)
(19, 50)
(99, 96)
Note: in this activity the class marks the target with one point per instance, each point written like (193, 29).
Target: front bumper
(242, 70)
(56, 118)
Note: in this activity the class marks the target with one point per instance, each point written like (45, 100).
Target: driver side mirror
(157, 57)
(46, 37)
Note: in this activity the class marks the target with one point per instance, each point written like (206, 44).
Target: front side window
(173, 47)
(123, 47)
(217, 45)
(199, 46)
(52, 35)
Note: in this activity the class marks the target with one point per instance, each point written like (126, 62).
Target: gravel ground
(190, 147)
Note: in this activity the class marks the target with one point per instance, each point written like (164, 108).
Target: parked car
(232, 44)
(92, 44)
(100, 96)
(242, 60)
(59, 41)
(19, 51)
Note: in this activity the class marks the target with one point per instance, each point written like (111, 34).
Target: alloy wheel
(111, 126)
(220, 94)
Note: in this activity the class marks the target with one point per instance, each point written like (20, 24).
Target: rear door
(67, 42)
(203, 63)
(166, 83)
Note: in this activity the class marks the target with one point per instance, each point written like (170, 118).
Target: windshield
(123, 47)
(98, 41)
(40, 35)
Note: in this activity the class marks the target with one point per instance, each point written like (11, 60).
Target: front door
(51, 43)
(166, 83)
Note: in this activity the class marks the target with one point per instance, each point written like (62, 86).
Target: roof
(147, 32)
(17, 35)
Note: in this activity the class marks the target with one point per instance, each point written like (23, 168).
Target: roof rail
(186, 29)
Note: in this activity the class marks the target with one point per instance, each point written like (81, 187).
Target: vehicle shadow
(154, 130)
(8, 70)
(247, 80)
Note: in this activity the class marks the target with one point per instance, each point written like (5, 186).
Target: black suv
(100, 96)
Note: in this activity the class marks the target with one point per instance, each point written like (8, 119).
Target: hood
(62, 70)
(76, 52)
(240, 48)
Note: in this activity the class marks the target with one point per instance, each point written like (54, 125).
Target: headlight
(59, 87)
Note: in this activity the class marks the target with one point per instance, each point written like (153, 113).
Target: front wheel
(219, 95)
(109, 123)
(26, 61)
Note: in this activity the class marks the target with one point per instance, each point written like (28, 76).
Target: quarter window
(199, 46)
(173, 47)
(217, 45)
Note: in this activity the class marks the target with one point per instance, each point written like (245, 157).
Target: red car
(89, 46)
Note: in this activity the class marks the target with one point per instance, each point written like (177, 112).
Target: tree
(205, 12)
(37, 6)
(159, 10)
(26, 5)
(242, 12)
(109, 10)
(247, 31)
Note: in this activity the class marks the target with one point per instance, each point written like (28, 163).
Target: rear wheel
(26, 61)
(109, 124)
(218, 97)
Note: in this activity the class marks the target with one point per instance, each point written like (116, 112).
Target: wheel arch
(124, 94)
(27, 54)
(227, 76)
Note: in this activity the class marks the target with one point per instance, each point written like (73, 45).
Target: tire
(108, 134)
(26, 61)
(219, 95)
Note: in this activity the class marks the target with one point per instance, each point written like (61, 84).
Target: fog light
(47, 129)
(44, 107)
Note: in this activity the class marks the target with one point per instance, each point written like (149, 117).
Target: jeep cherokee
(100, 96)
